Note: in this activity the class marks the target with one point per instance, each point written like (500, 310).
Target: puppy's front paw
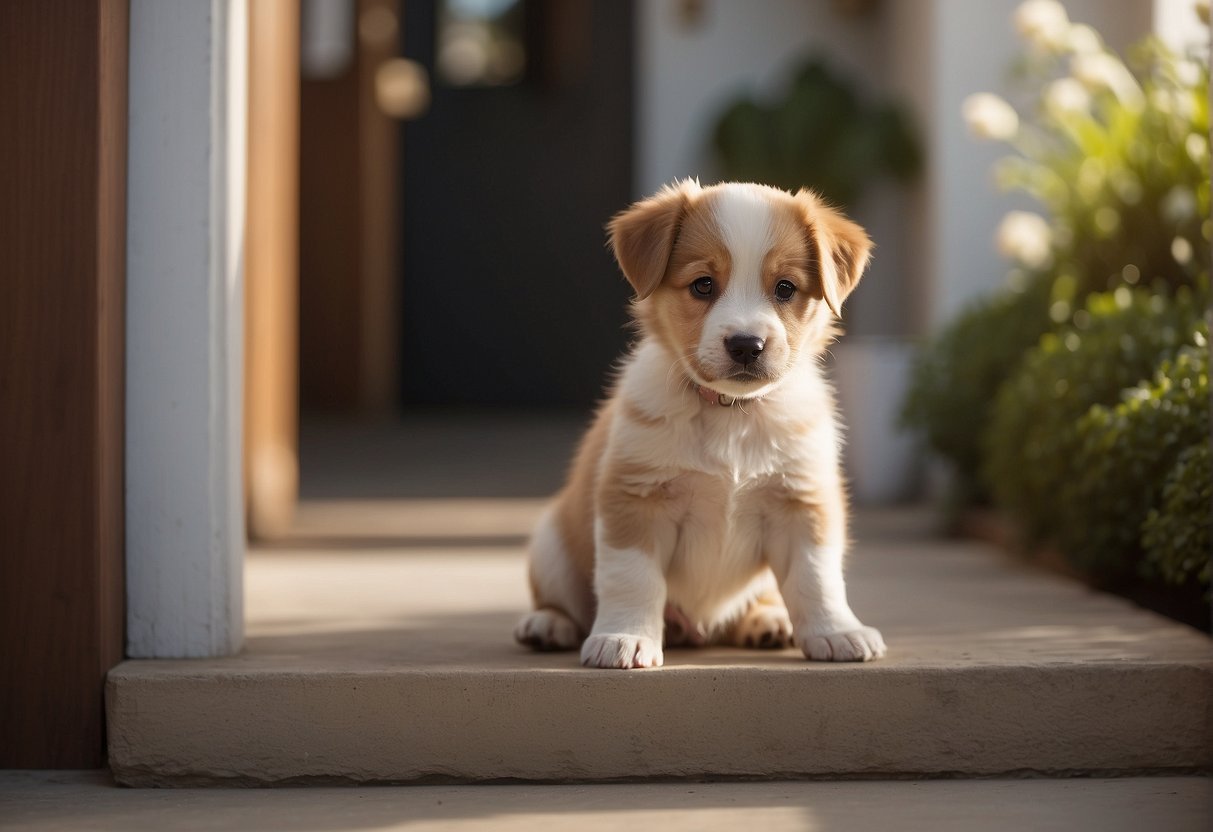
(620, 650)
(859, 645)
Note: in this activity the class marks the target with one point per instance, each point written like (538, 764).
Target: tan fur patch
(792, 257)
(632, 506)
(575, 504)
(638, 416)
(672, 313)
(819, 515)
(642, 236)
(844, 248)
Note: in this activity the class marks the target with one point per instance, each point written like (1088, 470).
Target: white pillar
(185, 220)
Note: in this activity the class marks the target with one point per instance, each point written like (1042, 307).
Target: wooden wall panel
(349, 224)
(271, 381)
(379, 149)
(62, 233)
(330, 263)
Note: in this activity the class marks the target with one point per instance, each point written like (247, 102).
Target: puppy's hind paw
(765, 626)
(547, 629)
(621, 650)
(859, 645)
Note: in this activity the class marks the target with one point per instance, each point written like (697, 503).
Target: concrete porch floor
(69, 801)
(380, 650)
(388, 657)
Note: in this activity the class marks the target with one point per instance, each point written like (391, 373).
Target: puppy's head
(738, 281)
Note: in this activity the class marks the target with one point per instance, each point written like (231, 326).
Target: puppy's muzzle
(744, 349)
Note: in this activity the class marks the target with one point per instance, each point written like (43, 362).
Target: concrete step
(70, 801)
(379, 650)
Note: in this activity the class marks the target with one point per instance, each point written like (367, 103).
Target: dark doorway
(510, 297)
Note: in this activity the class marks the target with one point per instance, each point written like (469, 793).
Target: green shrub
(1125, 452)
(1176, 535)
(1032, 441)
(1118, 157)
(956, 375)
(822, 133)
(1082, 407)
(1118, 154)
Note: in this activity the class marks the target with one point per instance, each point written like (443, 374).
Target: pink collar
(712, 397)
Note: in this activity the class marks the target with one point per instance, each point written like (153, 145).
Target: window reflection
(481, 42)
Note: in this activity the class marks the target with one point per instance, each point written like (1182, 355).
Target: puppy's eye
(702, 287)
(784, 289)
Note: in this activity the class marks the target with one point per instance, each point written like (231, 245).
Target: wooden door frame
(271, 411)
(120, 354)
(63, 234)
(349, 218)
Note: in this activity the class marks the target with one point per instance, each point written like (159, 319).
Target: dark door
(510, 296)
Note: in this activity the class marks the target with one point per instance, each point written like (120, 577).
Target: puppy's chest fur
(720, 536)
(722, 478)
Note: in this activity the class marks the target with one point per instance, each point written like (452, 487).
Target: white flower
(1043, 23)
(1181, 250)
(1179, 204)
(1187, 72)
(1172, 101)
(1083, 40)
(990, 117)
(1066, 96)
(1198, 148)
(1025, 237)
(1102, 70)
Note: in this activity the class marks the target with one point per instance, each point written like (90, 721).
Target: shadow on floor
(439, 455)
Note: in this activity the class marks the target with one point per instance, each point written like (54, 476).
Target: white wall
(185, 210)
(1176, 22)
(935, 240)
(687, 74)
(966, 47)
(943, 51)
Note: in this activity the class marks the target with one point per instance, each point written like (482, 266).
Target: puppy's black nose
(744, 349)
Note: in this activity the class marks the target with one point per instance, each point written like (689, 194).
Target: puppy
(707, 493)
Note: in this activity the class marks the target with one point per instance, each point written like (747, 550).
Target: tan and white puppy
(708, 493)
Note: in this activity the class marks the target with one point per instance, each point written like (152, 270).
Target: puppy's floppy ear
(842, 248)
(643, 236)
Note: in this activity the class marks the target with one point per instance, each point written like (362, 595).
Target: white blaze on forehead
(744, 216)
